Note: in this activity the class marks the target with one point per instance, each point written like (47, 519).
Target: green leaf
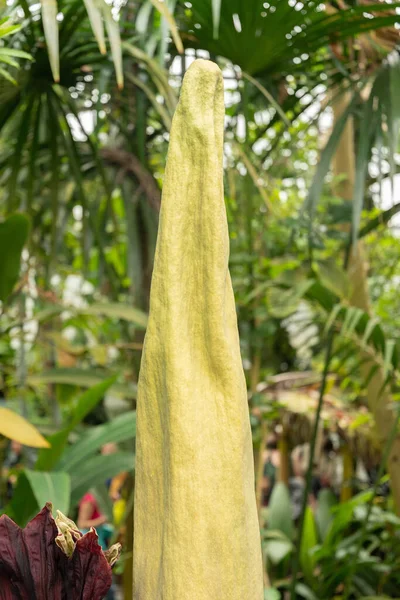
(282, 303)
(120, 429)
(280, 510)
(80, 378)
(104, 501)
(143, 16)
(15, 53)
(47, 459)
(115, 42)
(327, 154)
(95, 471)
(333, 315)
(216, 14)
(308, 542)
(13, 236)
(7, 76)
(50, 26)
(166, 118)
(305, 592)
(278, 549)
(33, 490)
(323, 515)
(96, 22)
(372, 323)
(116, 311)
(272, 594)
(163, 9)
(50, 487)
(334, 278)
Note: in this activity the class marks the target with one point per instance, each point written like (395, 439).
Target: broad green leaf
(13, 236)
(96, 21)
(48, 457)
(33, 490)
(82, 407)
(118, 430)
(50, 26)
(280, 511)
(15, 427)
(50, 487)
(95, 471)
(308, 542)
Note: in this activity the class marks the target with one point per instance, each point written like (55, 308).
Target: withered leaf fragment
(34, 565)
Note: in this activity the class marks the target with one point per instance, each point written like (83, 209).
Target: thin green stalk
(249, 220)
(388, 447)
(296, 559)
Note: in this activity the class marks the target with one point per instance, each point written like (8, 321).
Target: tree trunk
(379, 399)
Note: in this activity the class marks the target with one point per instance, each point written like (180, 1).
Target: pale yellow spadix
(196, 533)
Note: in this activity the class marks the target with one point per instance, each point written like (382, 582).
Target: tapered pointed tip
(202, 65)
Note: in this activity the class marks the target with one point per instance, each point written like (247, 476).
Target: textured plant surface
(196, 527)
(51, 560)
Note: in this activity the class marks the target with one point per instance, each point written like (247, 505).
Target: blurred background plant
(87, 94)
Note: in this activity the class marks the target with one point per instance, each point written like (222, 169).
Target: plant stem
(296, 559)
(384, 460)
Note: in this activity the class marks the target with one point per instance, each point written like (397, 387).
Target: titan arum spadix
(196, 533)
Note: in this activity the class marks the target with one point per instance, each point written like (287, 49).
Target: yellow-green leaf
(115, 43)
(50, 26)
(163, 9)
(15, 427)
(96, 21)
